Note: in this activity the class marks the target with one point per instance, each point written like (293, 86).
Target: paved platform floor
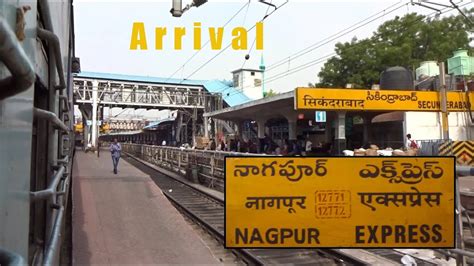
(125, 218)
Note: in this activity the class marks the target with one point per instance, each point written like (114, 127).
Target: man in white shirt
(308, 146)
(411, 144)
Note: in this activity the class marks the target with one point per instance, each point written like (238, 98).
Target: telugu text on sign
(380, 100)
(339, 202)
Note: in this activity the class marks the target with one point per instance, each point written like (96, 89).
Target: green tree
(405, 41)
(269, 93)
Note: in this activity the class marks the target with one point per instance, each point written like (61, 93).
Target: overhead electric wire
(462, 13)
(254, 39)
(304, 66)
(299, 68)
(316, 61)
(223, 50)
(291, 71)
(208, 41)
(320, 59)
(337, 35)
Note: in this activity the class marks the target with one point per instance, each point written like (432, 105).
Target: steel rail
(142, 151)
(17, 62)
(245, 253)
(52, 117)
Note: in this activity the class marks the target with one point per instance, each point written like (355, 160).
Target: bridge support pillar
(206, 127)
(95, 85)
(86, 111)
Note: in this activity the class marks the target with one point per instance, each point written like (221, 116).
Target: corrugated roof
(231, 95)
(158, 122)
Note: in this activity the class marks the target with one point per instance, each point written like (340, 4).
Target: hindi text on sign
(380, 100)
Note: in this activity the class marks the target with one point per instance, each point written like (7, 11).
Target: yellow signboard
(379, 100)
(339, 202)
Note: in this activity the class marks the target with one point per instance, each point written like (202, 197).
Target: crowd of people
(268, 146)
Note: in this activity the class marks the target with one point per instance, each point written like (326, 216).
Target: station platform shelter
(341, 129)
(351, 128)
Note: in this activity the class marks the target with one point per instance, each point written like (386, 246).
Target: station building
(276, 118)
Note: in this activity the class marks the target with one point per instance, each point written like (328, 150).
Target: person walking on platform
(115, 150)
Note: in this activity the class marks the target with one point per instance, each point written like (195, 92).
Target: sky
(103, 31)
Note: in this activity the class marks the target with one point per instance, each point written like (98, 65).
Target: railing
(209, 164)
(145, 94)
(58, 189)
(143, 97)
(430, 147)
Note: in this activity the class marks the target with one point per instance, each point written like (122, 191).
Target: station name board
(337, 202)
(380, 100)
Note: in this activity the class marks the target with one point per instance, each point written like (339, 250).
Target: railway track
(208, 212)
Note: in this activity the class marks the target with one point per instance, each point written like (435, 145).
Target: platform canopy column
(365, 136)
(291, 128)
(340, 141)
(261, 133)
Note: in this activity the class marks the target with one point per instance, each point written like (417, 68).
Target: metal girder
(141, 95)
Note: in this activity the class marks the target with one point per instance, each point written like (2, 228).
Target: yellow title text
(216, 34)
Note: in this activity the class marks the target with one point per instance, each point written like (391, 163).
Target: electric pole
(443, 98)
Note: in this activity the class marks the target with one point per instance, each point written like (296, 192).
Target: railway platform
(126, 219)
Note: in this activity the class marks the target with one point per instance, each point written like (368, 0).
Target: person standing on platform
(308, 146)
(411, 144)
(115, 149)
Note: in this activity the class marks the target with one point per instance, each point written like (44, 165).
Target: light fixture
(177, 6)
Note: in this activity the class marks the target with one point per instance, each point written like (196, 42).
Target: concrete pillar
(261, 128)
(206, 127)
(95, 85)
(86, 111)
(261, 134)
(236, 128)
(365, 134)
(340, 141)
(292, 129)
(328, 131)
